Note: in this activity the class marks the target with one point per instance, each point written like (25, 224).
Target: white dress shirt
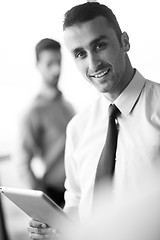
(138, 148)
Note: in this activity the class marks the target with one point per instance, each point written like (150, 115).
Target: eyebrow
(93, 42)
(76, 50)
(102, 37)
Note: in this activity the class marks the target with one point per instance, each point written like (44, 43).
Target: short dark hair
(88, 11)
(46, 44)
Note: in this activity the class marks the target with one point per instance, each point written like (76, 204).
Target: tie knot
(113, 111)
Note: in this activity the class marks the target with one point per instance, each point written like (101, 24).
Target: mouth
(100, 74)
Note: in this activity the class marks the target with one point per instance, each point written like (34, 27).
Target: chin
(104, 89)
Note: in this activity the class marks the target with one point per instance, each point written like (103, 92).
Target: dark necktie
(106, 165)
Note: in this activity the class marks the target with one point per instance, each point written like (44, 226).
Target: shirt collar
(128, 97)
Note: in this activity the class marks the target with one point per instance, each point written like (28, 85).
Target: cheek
(44, 71)
(55, 70)
(121, 61)
(82, 67)
(113, 55)
(47, 71)
(117, 60)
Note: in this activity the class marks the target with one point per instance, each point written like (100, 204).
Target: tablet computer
(38, 206)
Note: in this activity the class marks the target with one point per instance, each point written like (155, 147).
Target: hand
(39, 230)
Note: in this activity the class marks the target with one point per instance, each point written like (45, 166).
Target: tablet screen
(38, 206)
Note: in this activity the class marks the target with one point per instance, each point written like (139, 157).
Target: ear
(125, 42)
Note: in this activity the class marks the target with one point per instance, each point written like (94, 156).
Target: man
(116, 139)
(44, 126)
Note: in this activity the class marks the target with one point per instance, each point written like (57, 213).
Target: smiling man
(99, 52)
(116, 139)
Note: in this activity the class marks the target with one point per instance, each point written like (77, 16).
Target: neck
(49, 92)
(126, 78)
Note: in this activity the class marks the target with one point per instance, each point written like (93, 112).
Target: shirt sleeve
(73, 191)
(27, 147)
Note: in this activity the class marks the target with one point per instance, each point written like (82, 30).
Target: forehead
(49, 54)
(81, 35)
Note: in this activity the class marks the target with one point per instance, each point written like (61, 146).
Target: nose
(94, 61)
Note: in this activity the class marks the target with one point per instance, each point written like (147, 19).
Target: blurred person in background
(116, 139)
(44, 126)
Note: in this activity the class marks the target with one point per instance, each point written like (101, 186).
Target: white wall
(24, 22)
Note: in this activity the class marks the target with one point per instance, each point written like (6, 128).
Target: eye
(100, 46)
(80, 54)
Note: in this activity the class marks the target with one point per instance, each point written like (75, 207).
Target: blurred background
(22, 24)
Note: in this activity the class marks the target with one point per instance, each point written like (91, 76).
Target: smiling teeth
(100, 75)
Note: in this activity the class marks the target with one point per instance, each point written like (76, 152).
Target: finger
(37, 224)
(45, 236)
(35, 236)
(52, 237)
(32, 230)
(41, 230)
